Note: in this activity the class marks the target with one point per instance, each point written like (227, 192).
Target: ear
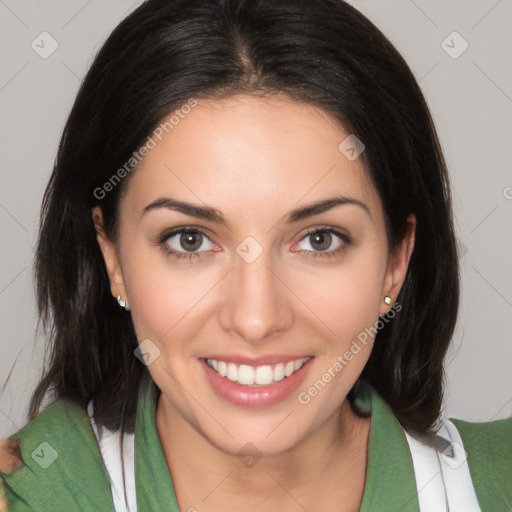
(398, 264)
(108, 249)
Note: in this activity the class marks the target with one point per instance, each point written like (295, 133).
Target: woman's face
(252, 290)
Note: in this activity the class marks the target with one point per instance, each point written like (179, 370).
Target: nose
(257, 303)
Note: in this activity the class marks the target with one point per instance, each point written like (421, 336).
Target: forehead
(259, 152)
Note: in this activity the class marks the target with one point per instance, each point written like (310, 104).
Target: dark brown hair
(321, 52)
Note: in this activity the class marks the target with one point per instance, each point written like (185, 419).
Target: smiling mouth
(256, 376)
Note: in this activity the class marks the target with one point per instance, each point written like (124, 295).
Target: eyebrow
(213, 215)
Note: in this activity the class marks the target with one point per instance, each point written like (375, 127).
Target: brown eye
(185, 243)
(324, 243)
(191, 241)
(320, 240)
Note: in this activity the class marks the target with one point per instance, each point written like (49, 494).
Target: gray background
(470, 99)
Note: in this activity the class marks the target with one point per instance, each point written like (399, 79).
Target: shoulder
(490, 440)
(62, 464)
(59, 414)
(488, 446)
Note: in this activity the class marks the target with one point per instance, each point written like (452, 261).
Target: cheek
(165, 297)
(346, 297)
(347, 301)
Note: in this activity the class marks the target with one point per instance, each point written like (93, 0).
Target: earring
(121, 302)
(387, 299)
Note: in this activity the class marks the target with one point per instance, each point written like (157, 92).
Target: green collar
(153, 483)
(390, 483)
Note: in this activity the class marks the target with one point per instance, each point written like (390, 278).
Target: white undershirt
(109, 444)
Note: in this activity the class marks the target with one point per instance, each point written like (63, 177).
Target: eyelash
(308, 254)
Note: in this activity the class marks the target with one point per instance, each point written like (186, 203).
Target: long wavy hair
(320, 52)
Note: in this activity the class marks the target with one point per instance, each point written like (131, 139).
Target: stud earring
(387, 299)
(121, 302)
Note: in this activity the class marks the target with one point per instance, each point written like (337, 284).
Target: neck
(328, 466)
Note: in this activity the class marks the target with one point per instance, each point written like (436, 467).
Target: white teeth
(246, 375)
(232, 372)
(279, 372)
(289, 368)
(264, 375)
(256, 376)
(222, 369)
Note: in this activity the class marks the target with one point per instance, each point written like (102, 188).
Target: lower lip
(262, 396)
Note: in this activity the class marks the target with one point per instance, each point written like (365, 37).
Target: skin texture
(10, 460)
(255, 159)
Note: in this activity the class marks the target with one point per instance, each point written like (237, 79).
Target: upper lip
(268, 359)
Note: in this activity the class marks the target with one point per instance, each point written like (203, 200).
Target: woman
(247, 271)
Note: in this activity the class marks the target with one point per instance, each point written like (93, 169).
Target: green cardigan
(63, 469)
